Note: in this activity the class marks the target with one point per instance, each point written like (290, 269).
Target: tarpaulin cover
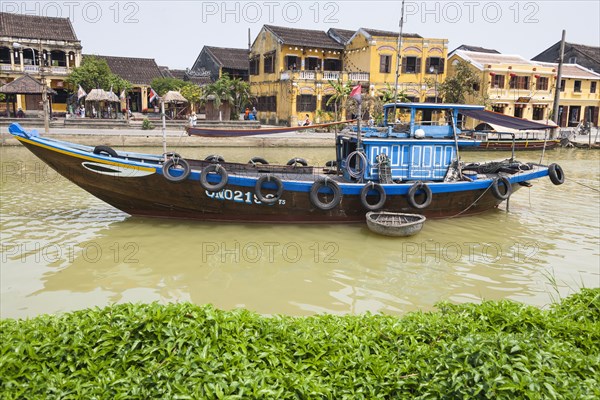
(504, 120)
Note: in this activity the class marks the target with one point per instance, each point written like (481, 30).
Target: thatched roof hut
(173, 96)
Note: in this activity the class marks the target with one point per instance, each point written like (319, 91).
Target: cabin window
(434, 65)
(498, 82)
(269, 66)
(562, 85)
(313, 63)
(411, 65)
(385, 64)
(327, 107)
(577, 87)
(306, 102)
(332, 64)
(254, 66)
(541, 83)
(518, 82)
(593, 87)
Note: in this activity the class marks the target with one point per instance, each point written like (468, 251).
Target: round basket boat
(394, 224)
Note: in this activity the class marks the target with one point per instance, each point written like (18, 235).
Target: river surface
(63, 250)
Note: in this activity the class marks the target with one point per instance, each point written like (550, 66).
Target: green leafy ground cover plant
(495, 350)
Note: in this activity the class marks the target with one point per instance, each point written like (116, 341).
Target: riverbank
(493, 350)
(136, 137)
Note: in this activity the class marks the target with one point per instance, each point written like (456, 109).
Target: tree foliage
(234, 91)
(94, 73)
(163, 85)
(462, 83)
(192, 92)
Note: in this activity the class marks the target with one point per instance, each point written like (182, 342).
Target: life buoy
(496, 188)
(215, 158)
(412, 193)
(320, 184)
(177, 163)
(109, 151)
(556, 174)
(258, 189)
(258, 160)
(365, 192)
(295, 161)
(219, 170)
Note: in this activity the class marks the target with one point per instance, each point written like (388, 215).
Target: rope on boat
(584, 185)
(473, 203)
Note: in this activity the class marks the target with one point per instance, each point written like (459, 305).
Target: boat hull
(142, 190)
(520, 145)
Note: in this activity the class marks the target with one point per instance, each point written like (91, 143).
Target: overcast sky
(174, 32)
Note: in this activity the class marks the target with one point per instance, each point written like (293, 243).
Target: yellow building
(579, 95)
(290, 69)
(510, 84)
(421, 68)
(31, 45)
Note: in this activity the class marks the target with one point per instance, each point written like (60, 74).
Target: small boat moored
(395, 224)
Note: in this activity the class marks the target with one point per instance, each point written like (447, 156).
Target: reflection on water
(63, 250)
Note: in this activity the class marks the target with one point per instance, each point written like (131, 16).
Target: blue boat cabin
(417, 138)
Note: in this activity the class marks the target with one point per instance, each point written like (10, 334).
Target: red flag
(153, 95)
(356, 93)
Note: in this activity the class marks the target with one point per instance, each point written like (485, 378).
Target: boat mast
(558, 80)
(164, 126)
(398, 48)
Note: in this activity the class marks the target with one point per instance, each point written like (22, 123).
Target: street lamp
(19, 45)
(432, 70)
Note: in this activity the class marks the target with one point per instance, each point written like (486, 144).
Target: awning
(504, 120)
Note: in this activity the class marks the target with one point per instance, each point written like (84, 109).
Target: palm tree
(340, 95)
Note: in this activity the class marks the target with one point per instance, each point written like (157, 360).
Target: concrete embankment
(153, 138)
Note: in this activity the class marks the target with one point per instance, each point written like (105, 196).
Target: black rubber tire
(365, 192)
(412, 192)
(258, 160)
(296, 161)
(172, 162)
(220, 170)
(496, 188)
(331, 163)
(556, 174)
(314, 194)
(105, 150)
(215, 158)
(258, 189)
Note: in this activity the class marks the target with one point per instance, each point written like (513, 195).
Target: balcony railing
(358, 76)
(31, 68)
(325, 76)
(331, 75)
(309, 75)
(35, 69)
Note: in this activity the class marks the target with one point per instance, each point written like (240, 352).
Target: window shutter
(418, 65)
(404, 64)
(427, 64)
(441, 66)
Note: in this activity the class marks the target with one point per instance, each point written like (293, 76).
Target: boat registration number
(238, 196)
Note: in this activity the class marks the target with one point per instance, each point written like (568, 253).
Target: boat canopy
(506, 121)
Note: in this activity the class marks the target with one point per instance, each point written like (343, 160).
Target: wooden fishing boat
(228, 132)
(396, 174)
(395, 224)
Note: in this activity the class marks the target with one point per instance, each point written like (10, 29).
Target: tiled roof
(304, 37)
(467, 47)
(184, 75)
(479, 59)
(230, 58)
(340, 35)
(35, 27)
(24, 85)
(589, 51)
(139, 71)
(377, 32)
(573, 71)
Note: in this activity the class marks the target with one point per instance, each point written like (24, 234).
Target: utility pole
(398, 56)
(555, 115)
